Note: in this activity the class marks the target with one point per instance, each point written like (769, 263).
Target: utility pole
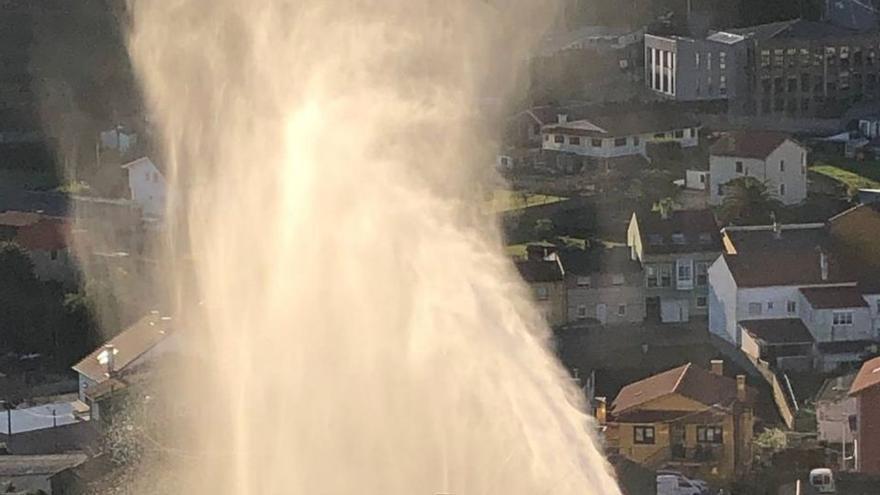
(843, 445)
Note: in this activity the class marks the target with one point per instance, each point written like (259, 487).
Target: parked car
(822, 480)
(676, 484)
(702, 485)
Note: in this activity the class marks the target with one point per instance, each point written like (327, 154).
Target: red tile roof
(687, 380)
(834, 297)
(748, 144)
(778, 331)
(44, 235)
(869, 376)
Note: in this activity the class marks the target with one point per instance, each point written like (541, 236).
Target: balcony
(682, 455)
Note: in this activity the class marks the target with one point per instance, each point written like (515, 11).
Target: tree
(748, 201)
(23, 308)
(652, 186)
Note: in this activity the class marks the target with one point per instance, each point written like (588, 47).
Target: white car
(822, 480)
(676, 484)
(702, 485)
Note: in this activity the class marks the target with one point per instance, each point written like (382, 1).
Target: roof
(130, 344)
(533, 271)
(868, 376)
(624, 124)
(615, 259)
(795, 268)
(778, 331)
(32, 465)
(748, 144)
(682, 232)
(19, 218)
(725, 37)
(835, 389)
(834, 297)
(855, 233)
(846, 347)
(555, 42)
(52, 204)
(794, 29)
(687, 380)
(142, 161)
(47, 234)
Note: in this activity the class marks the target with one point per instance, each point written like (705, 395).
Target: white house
(110, 365)
(834, 410)
(771, 157)
(119, 139)
(775, 283)
(612, 136)
(148, 187)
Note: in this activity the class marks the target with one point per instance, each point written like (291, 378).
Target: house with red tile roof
(866, 390)
(771, 157)
(45, 238)
(686, 418)
(774, 282)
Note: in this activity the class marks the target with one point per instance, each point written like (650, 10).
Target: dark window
(739, 167)
(666, 277)
(546, 137)
(805, 82)
(777, 85)
(765, 84)
(597, 143)
(721, 189)
(53, 254)
(635, 140)
(651, 276)
(792, 85)
(702, 274)
(782, 165)
(679, 133)
(701, 301)
(574, 140)
(618, 142)
(805, 104)
(660, 135)
(710, 434)
(559, 138)
(643, 435)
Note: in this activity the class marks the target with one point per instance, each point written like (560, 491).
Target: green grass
(503, 200)
(855, 174)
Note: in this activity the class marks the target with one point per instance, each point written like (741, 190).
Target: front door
(601, 313)
(652, 309)
(677, 440)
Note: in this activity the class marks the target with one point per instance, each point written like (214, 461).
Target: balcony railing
(680, 454)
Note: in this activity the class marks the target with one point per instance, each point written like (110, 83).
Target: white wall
(147, 187)
(723, 170)
(874, 304)
(722, 301)
(697, 179)
(689, 139)
(832, 420)
(819, 322)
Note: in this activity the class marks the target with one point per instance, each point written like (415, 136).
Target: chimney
(601, 410)
(562, 118)
(717, 367)
(823, 264)
(741, 388)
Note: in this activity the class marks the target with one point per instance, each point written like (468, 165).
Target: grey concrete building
(689, 69)
(603, 286)
(675, 249)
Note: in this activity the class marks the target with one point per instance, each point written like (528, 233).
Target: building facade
(603, 287)
(546, 279)
(147, 186)
(771, 157)
(866, 390)
(675, 250)
(688, 69)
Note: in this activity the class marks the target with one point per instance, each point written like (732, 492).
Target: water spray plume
(360, 329)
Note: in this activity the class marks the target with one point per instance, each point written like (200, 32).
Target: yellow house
(689, 419)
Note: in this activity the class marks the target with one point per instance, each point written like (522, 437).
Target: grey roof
(794, 29)
(615, 259)
(558, 41)
(778, 330)
(52, 204)
(624, 124)
(31, 465)
(836, 389)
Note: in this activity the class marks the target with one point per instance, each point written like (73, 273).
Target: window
(621, 310)
(722, 60)
(705, 238)
(542, 293)
(782, 165)
(597, 143)
(650, 276)
(643, 435)
(755, 308)
(709, 61)
(777, 85)
(546, 137)
(702, 271)
(842, 318)
(805, 82)
(721, 189)
(635, 140)
(782, 189)
(791, 56)
(722, 84)
(791, 307)
(805, 57)
(777, 57)
(583, 281)
(574, 140)
(701, 302)
(666, 276)
(618, 142)
(558, 138)
(792, 85)
(684, 272)
(765, 58)
(660, 135)
(617, 279)
(770, 306)
(679, 133)
(710, 434)
(655, 239)
(53, 254)
(739, 167)
(678, 238)
(582, 311)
